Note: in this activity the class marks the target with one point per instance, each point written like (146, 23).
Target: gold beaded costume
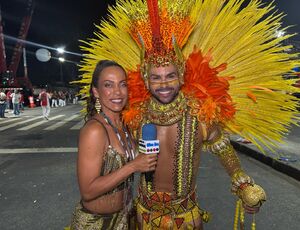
(231, 65)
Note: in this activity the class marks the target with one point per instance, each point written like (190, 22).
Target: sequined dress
(84, 219)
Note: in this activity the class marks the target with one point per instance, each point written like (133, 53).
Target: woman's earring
(97, 105)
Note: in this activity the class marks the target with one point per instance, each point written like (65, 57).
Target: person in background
(54, 100)
(60, 99)
(2, 104)
(8, 100)
(21, 103)
(45, 103)
(15, 98)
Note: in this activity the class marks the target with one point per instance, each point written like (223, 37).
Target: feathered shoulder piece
(207, 92)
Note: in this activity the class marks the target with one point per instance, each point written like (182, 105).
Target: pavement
(285, 158)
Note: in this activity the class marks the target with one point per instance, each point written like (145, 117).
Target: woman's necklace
(129, 154)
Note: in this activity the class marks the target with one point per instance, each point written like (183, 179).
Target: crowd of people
(11, 100)
(14, 101)
(59, 98)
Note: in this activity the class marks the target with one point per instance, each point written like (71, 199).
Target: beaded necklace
(129, 154)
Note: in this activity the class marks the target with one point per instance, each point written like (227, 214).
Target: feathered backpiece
(232, 59)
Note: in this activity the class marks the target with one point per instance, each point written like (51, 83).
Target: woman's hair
(101, 65)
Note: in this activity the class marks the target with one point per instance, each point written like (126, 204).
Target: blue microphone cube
(148, 146)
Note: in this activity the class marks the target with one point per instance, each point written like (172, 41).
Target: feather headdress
(232, 59)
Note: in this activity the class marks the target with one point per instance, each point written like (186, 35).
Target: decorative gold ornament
(97, 105)
(166, 114)
(156, 60)
(220, 147)
(238, 179)
(252, 195)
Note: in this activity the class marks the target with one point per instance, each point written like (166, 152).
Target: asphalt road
(38, 187)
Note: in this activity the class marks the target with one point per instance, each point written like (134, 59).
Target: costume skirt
(157, 210)
(84, 220)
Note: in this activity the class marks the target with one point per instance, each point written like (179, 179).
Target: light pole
(61, 60)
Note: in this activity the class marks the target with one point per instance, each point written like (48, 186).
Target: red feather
(154, 18)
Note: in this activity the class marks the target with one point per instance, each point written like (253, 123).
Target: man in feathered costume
(198, 70)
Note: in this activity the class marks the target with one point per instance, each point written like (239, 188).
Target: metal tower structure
(11, 70)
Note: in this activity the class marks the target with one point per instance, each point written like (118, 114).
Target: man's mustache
(164, 89)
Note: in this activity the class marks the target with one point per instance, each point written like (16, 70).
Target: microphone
(148, 144)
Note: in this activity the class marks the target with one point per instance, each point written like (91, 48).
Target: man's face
(164, 83)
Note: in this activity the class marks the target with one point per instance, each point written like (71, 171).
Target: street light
(61, 59)
(60, 50)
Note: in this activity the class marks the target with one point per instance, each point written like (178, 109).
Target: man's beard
(162, 90)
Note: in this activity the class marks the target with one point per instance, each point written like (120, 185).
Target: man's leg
(44, 111)
(15, 108)
(47, 111)
(18, 108)
(2, 106)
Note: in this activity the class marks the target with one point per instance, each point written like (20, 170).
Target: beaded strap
(129, 154)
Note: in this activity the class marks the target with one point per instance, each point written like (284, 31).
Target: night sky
(58, 23)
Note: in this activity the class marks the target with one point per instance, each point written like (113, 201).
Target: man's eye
(171, 76)
(124, 84)
(155, 78)
(107, 85)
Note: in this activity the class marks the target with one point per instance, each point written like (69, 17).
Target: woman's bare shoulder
(93, 128)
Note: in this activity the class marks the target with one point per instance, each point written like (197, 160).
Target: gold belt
(156, 201)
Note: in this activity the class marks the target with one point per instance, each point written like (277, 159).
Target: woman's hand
(144, 162)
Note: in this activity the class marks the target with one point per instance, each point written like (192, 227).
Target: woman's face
(112, 89)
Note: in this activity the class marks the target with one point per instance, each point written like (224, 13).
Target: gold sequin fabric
(113, 161)
(83, 220)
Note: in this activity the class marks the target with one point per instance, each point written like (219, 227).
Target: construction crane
(9, 73)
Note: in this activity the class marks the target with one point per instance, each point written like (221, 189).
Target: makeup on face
(112, 89)
(164, 83)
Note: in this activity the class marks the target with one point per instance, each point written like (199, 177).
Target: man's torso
(179, 157)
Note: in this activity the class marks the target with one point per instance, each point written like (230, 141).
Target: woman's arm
(93, 142)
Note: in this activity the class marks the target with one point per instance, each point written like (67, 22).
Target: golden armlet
(225, 152)
(219, 147)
